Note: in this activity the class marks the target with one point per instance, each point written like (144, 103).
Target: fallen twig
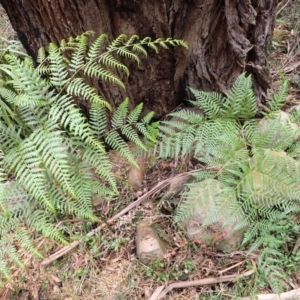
(231, 267)
(291, 295)
(47, 261)
(200, 282)
(282, 7)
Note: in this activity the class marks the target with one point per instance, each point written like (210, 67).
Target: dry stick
(47, 261)
(283, 7)
(232, 267)
(291, 295)
(200, 282)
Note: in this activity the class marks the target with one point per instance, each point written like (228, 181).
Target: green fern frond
(188, 140)
(57, 66)
(115, 141)
(70, 117)
(135, 114)
(193, 117)
(241, 101)
(278, 100)
(54, 156)
(153, 46)
(251, 176)
(9, 137)
(3, 178)
(210, 102)
(131, 134)
(67, 45)
(98, 120)
(4, 271)
(6, 223)
(7, 113)
(99, 161)
(139, 49)
(179, 132)
(117, 42)
(132, 40)
(202, 194)
(150, 132)
(24, 239)
(93, 69)
(209, 136)
(26, 100)
(82, 184)
(125, 52)
(41, 55)
(98, 188)
(11, 252)
(25, 78)
(64, 204)
(50, 144)
(109, 60)
(78, 56)
(120, 114)
(11, 46)
(161, 42)
(95, 48)
(19, 202)
(32, 117)
(294, 150)
(40, 220)
(77, 87)
(148, 117)
(272, 259)
(169, 128)
(272, 132)
(25, 160)
(8, 94)
(173, 42)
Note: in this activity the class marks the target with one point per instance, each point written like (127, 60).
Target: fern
(55, 156)
(240, 101)
(251, 176)
(278, 100)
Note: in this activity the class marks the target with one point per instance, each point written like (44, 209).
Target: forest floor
(104, 266)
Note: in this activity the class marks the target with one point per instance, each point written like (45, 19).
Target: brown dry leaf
(280, 34)
(78, 260)
(55, 279)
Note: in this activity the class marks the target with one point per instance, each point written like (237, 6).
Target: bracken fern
(255, 161)
(54, 158)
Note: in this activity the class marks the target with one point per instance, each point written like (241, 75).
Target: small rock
(136, 175)
(219, 234)
(149, 246)
(98, 200)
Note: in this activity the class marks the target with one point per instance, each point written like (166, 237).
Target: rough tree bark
(225, 37)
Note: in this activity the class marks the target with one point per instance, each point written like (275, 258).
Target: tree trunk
(225, 38)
